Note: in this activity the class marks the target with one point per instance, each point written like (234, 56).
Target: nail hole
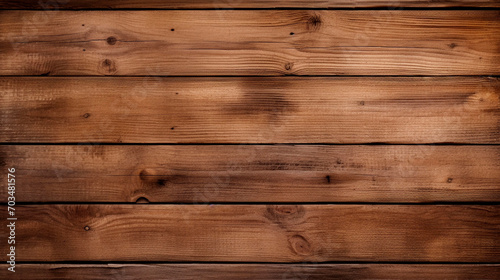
(176, 93)
(86, 115)
(362, 103)
(291, 33)
(328, 178)
(86, 228)
(172, 29)
(450, 180)
(83, 24)
(84, 50)
(172, 128)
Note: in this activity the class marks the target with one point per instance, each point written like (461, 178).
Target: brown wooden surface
(258, 233)
(250, 110)
(401, 211)
(199, 174)
(234, 4)
(262, 42)
(311, 271)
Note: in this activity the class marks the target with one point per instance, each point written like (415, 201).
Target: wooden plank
(257, 233)
(250, 110)
(249, 4)
(252, 271)
(246, 42)
(204, 174)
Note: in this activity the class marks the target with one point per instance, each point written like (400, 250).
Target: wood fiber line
(202, 174)
(310, 271)
(234, 4)
(240, 43)
(257, 233)
(250, 110)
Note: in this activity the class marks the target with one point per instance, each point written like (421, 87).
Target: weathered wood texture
(257, 233)
(235, 4)
(252, 271)
(263, 42)
(200, 174)
(250, 110)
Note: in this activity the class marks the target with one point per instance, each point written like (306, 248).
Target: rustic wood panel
(263, 42)
(250, 110)
(202, 174)
(258, 233)
(234, 4)
(252, 271)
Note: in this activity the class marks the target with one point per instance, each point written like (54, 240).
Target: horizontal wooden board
(246, 42)
(310, 271)
(225, 4)
(250, 110)
(203, 174)
(257, 233)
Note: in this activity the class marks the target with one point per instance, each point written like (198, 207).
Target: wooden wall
(253, 139)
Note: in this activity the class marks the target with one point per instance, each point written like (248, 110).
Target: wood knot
(284, 214)
(449, 180)
(314, 23)
(111, 40)
(300, 245)
(108, 66)
(452, 45)
(142, 200)
(86, 228)
(289, 66)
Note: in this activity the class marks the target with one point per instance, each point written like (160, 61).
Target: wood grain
(203, 174)
(235, 4)
(257, 233)
(262, 42)
(312, 271)
(250, 110)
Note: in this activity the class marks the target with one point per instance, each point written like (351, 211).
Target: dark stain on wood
(261, 99)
